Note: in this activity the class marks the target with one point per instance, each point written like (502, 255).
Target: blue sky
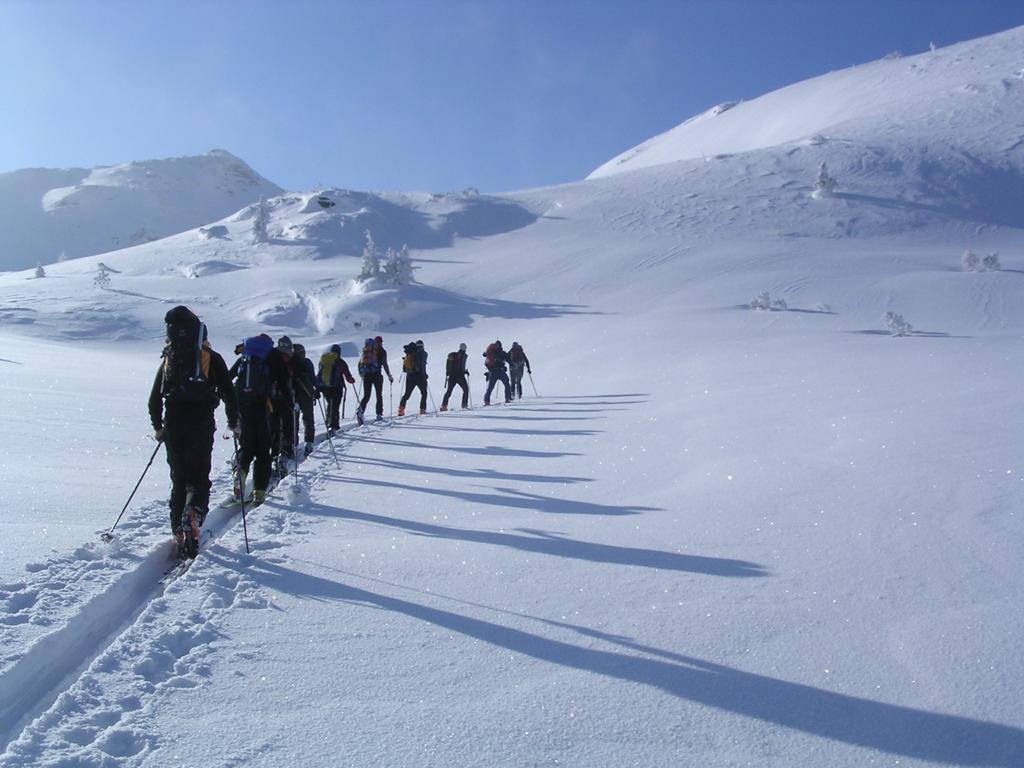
(427, 95)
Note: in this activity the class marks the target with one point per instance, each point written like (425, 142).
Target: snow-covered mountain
(48, 215)
(734, 521)
(968, 95)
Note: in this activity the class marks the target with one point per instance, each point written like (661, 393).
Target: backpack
(516, 355)
(253, 383)
(369, 363)
(329, 369)
(453, 365)
(413, 362)
(186, 367)
(492, 357)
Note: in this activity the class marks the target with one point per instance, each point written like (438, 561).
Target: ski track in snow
(125, 616)
(115, 617)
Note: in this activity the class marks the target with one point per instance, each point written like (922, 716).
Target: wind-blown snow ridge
(900, 98)
(49, 215)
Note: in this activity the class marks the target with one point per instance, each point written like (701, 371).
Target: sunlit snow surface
(712, 535)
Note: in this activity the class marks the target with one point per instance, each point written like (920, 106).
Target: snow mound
(51, 215)
(951, 86)
(218, 231)
(212, 267)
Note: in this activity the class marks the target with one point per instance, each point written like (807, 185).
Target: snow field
(722, 536)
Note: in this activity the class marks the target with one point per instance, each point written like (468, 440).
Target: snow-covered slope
(968, 93)
(708, 535)
(47, 215)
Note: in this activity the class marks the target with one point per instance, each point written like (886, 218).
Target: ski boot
(423, 411)
(179, 541)
(308, 449)
(280, 467)
(189, 543)
(239, 486)
(359, 416)
(258, 497)
(380, 418)
(401, 410)
(444, 408)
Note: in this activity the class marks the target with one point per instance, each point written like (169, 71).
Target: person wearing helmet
(330, 379)
(517, 360)
(495, 358)
(456, 373)
(304, 381)
(181, 409)
(373, 365)
(282, 401)
(414, 365)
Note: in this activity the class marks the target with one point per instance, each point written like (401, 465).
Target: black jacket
(220, 382)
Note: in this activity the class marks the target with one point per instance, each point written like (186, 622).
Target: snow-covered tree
(259, 223)
(824, 184)
(102, 279)
(40, 272)
(764, 301)
(973, 263)
(398, 267)
(896, 324)
(371, 259)
(991, 263)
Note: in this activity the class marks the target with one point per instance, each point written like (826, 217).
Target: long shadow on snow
(512, 499)
(891, 728)
(473, 474)
(489, 450)
(527, 432)
(573, 409)
(442, 310)
(490, 413)
(644, 395)
(554, 545)
(919, 334)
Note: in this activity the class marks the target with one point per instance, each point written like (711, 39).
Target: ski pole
(530, 374)
(241, 498)
(295, 442)
(330, 440)
(432, 403)
(109, 535)
(391, 397)
(344, 397)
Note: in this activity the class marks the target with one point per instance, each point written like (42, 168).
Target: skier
(191, 382)
(414, 364)
(494, 360)
(330, 379)
(373, 365)
(304, 381)
(256, 369)
(517, 359)
(456, 373)
(282, 400)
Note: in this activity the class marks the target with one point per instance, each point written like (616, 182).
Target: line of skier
(269, 390)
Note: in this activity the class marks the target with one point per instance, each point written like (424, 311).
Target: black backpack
(253, 385)
(186, 368)
(453, 365)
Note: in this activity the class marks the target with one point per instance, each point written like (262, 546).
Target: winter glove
(159, 435)
(391, 379)
(236, 431)
(529, 371)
